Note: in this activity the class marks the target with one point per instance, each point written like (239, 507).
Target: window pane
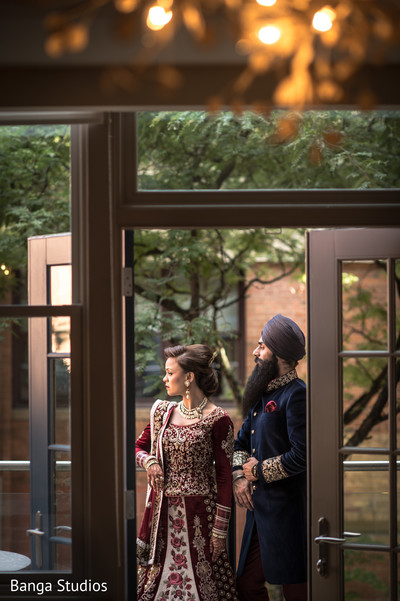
(366, 576)
(365, 402)
(35, 458)
(196, 150)
(61, 399)
(60, 449)
(61, 528)
(366, 498)
(35, 198)
(60, 330)
(364, 305)
(60, 284)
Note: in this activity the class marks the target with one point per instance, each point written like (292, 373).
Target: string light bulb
(266, 2)
(158, 17)
(269, 34)
(323, 19)
(126, 6)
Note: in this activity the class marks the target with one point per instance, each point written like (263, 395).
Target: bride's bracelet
(151, 460)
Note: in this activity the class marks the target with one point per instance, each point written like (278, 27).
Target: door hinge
(127, 281)
(130, 504)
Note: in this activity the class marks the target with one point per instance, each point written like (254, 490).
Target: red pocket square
(270, 407)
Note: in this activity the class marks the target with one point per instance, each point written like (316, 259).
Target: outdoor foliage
(363, 575)
(195, 150)
(187, 281)
(364, 328)
(34, 192)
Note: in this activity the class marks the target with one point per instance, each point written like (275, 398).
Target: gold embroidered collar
(282, 380)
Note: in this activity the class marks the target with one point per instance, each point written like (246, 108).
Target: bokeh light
(323, 19)
(269, 34)
(158, 17)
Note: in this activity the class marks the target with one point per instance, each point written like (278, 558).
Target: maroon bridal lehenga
(173, 546)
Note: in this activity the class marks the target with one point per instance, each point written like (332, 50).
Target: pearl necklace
(197, 412)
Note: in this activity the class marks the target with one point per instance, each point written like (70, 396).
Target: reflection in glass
(364, 305)
(60, 294)
(61, 399)
(60, 332)
(195, 150)
(60, 284)
(14, 441)
(366, 498)
(62, 509)
(366, 576)
(365, 402)
(60, 432)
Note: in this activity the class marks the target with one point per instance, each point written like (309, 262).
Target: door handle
(37, 533)
(331, 540)
(323, 540)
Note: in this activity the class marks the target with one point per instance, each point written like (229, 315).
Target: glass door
(50, 404)
(354, 363)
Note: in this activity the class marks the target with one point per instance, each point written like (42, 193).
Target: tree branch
(166, 303)
(375, 416)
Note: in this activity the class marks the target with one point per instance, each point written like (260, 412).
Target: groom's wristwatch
(254, 471)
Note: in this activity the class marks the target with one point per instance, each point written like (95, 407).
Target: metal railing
(25, 466)
(65, 466)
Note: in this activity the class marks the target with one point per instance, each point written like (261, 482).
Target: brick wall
(286, 296)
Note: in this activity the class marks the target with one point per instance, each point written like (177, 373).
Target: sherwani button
(252, 431)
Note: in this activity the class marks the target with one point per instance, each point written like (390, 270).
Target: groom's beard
(262, 374)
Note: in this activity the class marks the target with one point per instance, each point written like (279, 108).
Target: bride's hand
(155, 477)
(217, 545)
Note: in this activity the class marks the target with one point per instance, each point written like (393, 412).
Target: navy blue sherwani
(274, 432)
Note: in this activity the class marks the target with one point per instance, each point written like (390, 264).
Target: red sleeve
(223, 440)
(143, 446)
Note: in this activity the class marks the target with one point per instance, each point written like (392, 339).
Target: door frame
(101, 209)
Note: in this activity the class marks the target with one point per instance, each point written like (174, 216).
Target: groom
(269, 468)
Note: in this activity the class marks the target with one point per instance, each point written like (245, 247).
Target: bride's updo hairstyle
(196, 358)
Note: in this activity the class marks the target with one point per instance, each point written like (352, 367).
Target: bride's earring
(187, 392)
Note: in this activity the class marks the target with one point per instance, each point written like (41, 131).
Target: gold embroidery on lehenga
(203, 568)
(227, 444)
(183, 567)
(188, 451)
